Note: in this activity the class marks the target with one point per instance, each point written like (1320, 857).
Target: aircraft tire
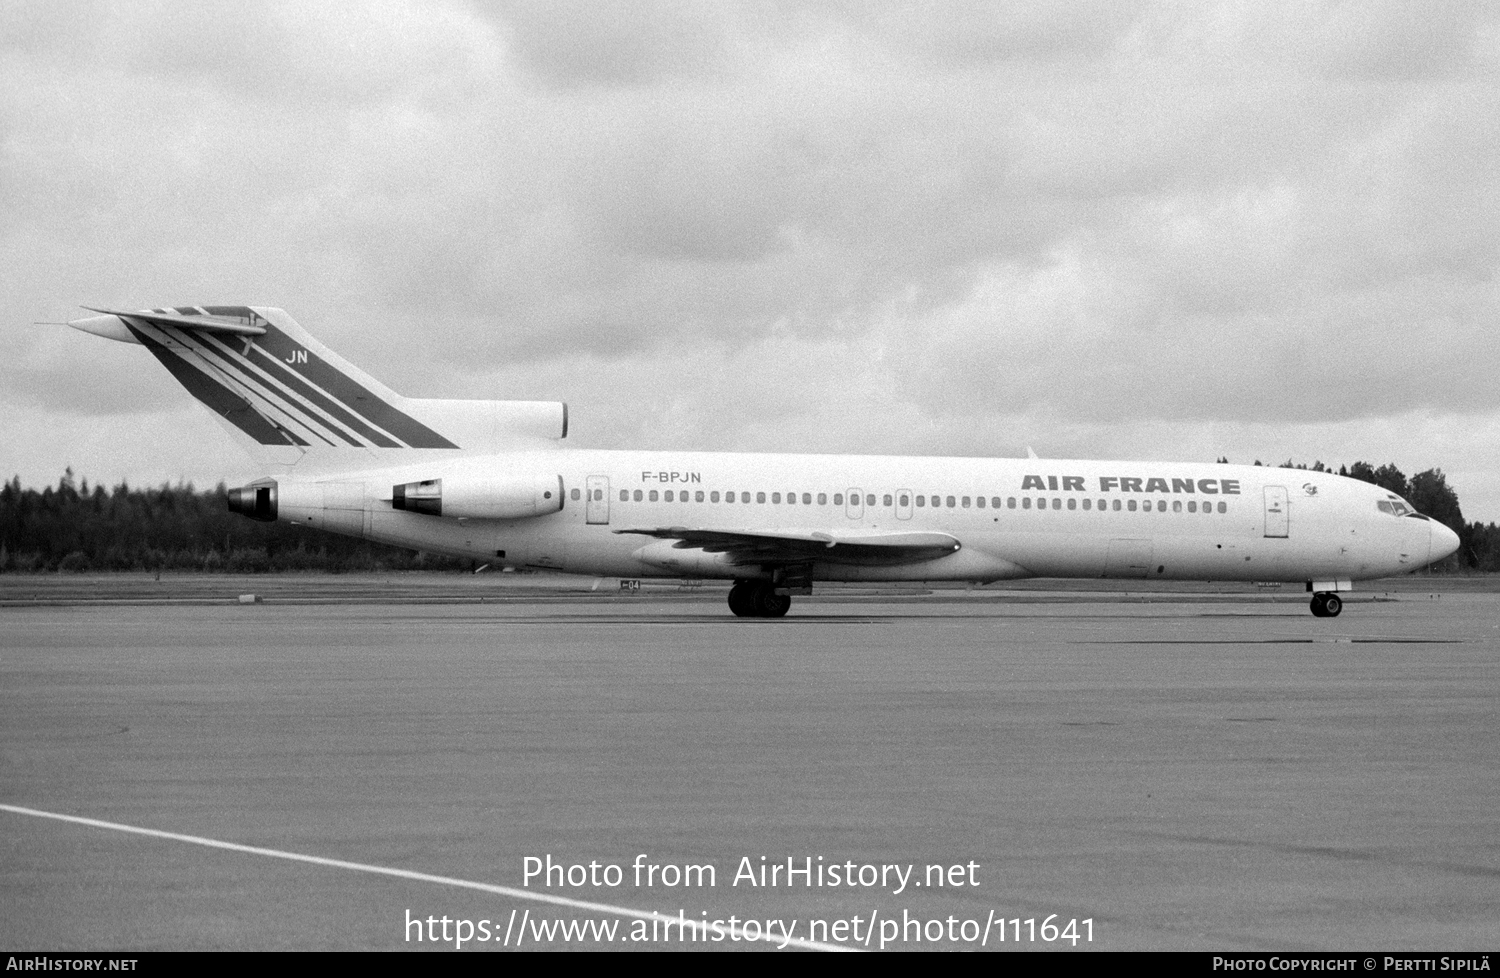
(769, 604)
(742, 599)
(1326, 605)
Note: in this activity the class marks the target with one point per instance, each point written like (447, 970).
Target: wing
(804, 546)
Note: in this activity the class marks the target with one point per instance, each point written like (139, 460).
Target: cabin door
(597, 507)
(1277, 517)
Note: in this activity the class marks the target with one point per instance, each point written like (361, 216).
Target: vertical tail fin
(286, 397)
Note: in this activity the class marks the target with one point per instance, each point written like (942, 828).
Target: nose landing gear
(1326, 604)
(758, 599)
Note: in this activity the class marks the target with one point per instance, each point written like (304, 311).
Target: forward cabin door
(1277, 517)
(597, 507)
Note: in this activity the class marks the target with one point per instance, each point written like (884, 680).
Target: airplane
(491, 480)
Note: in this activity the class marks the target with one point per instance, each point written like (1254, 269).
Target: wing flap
(802, 546)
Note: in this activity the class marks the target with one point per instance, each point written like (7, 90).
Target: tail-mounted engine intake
(257, 501)
(501, 498)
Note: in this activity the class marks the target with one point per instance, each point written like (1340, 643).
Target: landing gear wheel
(742, 599)
(1326, 605)
(770, 604)
(757, 599)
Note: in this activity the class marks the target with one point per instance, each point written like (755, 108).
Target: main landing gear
(1326, 604)
(757, 599)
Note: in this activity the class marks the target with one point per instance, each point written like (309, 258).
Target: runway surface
(1189, 771)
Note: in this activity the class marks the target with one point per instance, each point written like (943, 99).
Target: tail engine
(257, 501)
(492, 498)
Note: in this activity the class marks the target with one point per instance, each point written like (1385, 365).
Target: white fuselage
(1013, 517)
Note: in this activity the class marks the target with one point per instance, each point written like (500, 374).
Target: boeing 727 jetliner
(491, 480)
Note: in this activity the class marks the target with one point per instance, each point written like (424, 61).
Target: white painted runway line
(732, 933)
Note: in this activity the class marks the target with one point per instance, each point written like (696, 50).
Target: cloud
(815, 225)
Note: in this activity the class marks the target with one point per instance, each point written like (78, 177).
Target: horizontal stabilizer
(211, 324)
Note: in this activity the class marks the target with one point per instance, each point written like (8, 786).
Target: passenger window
(1072, 503)
(1192, 506)
(575, 495)
(638, 495)
(1025, 502)
(951, 502)
(994, 502)
(905, 500)
(624, 495)
(698, 496)
(1161, 505)
(822, 499)
(1010, 502)
(1116, 506)
(979, 501)
(870, 499)
(653, 496)
(669, 495)
(1176, 505)
(760, 497)
(1130, 505)
(729, 497)
(921, 501)
(886, 500)
(776, 497)
(807, 499)
(1221, 507)
(838, 499)
(1087, 503)
(965, 502)
(1057, 504)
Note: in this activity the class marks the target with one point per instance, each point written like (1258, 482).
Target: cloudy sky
(1099, 228)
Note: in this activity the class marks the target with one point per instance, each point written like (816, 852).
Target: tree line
(75, 527)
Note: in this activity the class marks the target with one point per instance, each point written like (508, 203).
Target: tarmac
(1188, 767)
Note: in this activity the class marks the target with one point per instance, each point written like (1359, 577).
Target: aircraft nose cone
(1444, 542)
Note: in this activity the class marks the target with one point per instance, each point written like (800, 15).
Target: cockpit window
(1396, 507)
